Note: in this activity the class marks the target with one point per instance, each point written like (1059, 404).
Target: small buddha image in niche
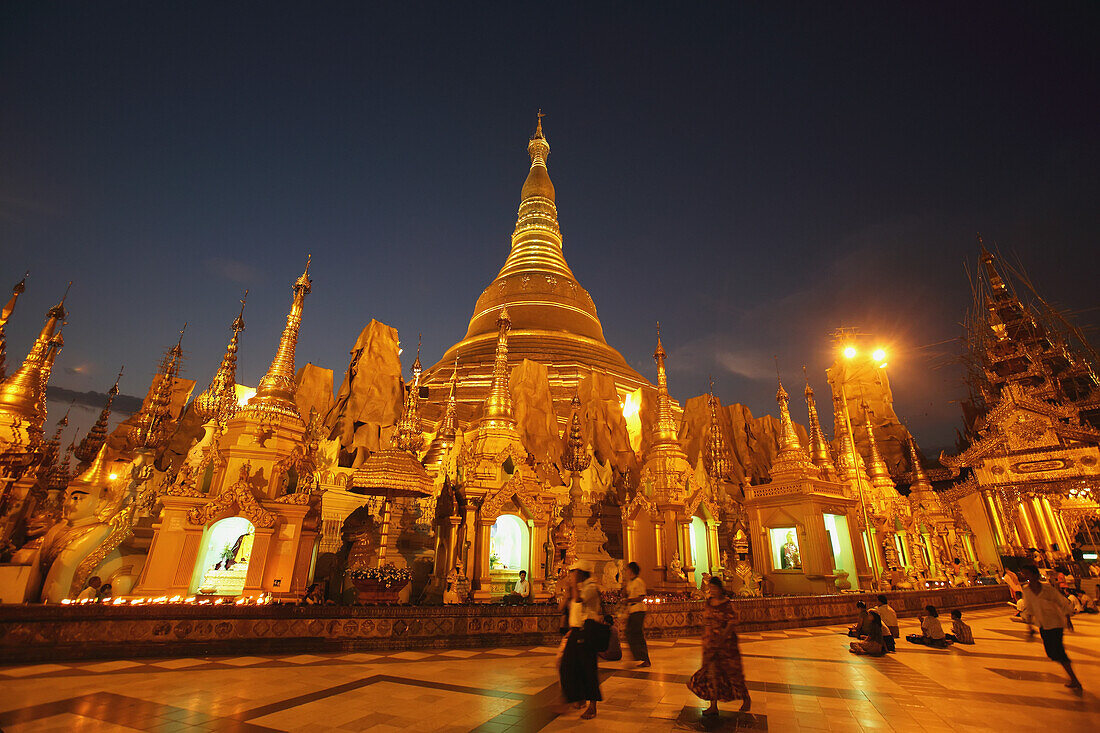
(786, 554)
(791, 558)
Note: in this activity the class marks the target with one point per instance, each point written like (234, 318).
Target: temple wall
(33, 633)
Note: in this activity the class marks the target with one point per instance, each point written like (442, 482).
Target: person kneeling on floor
(931, 630)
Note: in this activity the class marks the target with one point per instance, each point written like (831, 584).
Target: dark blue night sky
(752, 176)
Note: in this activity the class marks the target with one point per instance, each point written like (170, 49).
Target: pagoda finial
(880, 474)
(444, 438)
(791, 460)
(219, 401)
(664, 429)
(576, 458)
(97, 434)
(498, 405)
(19, 394)
(715, 458)
(410, 432)
(538, 125)
(819, 447)
(920, 479)
(274, 398)
(5, 314)
(153, 422)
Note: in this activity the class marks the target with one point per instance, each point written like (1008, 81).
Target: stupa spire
(219, 401)
(920, 479)
(274, 398)
(880, 474)
(19, 394)
(819, 448)
(445, 436)
(536, 241)
(5, 314)
(154, 420)
(97, 434)
(498, 405)
(410, 434)
(664, 430)
(791, 459)
(715, 456)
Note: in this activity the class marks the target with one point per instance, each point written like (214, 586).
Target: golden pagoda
(820, 454)
(554, 319)
(5, 314)
(97, 434)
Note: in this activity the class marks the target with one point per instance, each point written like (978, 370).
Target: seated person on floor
(960, 630)
(873, 644)
(889, 620)
(521, 592)
(931, 630)
(862, 626)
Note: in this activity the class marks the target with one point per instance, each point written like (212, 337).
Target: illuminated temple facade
(532, 444)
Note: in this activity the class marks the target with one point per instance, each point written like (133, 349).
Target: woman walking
(721, 677)
(578, 673)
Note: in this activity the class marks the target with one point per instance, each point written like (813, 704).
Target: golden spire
(536, 241)
(275, 393)
(498, 405)
(444, 438)
(5, 314)
(920, 479)
(19, 393)
(219, 401)
(37, 423)
(52, 449)
(60, 474)
(849, 462)
(153, 422)
(791, 458)
(664, 429)
(715, 455)
(576, 458)
(410, 434)
(880, 474)
(819, 448)
(97, 434)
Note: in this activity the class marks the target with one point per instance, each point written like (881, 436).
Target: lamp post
(879, 355)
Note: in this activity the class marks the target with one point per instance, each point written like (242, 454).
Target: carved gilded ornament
(638, 504)
(236, 498)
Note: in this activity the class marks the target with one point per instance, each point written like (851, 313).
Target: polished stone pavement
(801, 679)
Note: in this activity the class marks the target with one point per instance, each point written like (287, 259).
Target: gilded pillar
(1041, 522)
(659, 538)
(1056, 529)
(994, 516)
(1031, 536)
(687, 557)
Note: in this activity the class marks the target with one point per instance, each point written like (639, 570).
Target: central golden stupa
(554, 320)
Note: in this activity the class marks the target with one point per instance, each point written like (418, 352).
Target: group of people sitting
(877, 629)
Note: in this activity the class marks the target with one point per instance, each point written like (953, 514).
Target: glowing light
(244, 394)
(630, 407)
(114, 476)
(879, 355)
(849, 352)
(882, 365)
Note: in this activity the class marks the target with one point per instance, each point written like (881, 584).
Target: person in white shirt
(890, 620)
(521, 592)
(1048, 609)
(634, 594)
(579, 670)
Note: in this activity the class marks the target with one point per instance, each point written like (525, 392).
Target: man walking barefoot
(1048, 609)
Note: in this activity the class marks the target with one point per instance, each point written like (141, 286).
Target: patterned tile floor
(801, 679)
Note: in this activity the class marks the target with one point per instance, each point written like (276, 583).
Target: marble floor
(801, 679)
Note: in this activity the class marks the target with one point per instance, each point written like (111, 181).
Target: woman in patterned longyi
(721, 677)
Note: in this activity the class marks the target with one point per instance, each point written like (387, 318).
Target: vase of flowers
(380, 585)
